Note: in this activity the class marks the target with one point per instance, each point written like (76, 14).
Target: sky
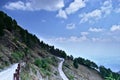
(85, 28)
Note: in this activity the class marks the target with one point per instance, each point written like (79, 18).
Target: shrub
(42, 63)
(17, 55)
(75, 63)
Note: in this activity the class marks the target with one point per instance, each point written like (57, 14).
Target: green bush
(17, 55)
(37, 62)
(42, 63)
(75, 63)
(107, 74)
(71, 77)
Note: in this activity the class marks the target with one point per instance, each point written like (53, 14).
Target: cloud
(97, 14)
(69, 39)
(19, 5)
(84, 33)
(77, 39)
(95, 29)
(72, 8)
(70, 26)
(117, 10)
(98, 39)
(107, 7)
(83, 37)
(33, 5)
(75, 6)
(54, 5)
(59, 39)
(115, 28)
(61, 14)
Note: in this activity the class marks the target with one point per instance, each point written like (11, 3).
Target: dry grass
(82, 73)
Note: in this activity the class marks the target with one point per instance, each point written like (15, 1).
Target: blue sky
(87, 28)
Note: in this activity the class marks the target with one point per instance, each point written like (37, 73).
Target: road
(7, 74)
(61, 71)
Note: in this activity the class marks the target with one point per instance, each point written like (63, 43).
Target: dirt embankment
(82, 73)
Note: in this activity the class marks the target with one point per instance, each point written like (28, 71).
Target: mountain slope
(18, 45)
(82, 73)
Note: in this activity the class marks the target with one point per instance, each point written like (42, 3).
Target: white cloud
(32, 5)
(115, 28)
(70, 26)
(95, 29)
(69, 39)
(19, 5)
(72, 8)
(84, 33)
(77, 39)
(117, 10)
(75, 6)
(95, 39)
(61, 14)
(73, 39)
(107, 7)
(60, 39)
(98, 39)
(81, 38)
(97, 14)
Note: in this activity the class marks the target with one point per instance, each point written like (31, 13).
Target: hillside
(18, 45)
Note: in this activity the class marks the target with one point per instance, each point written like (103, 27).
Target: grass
(17, 56)
(3, 62)
(24, 75)
(71, 77)
(44, 64)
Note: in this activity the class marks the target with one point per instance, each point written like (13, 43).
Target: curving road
(61, 71)
(8, 73)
